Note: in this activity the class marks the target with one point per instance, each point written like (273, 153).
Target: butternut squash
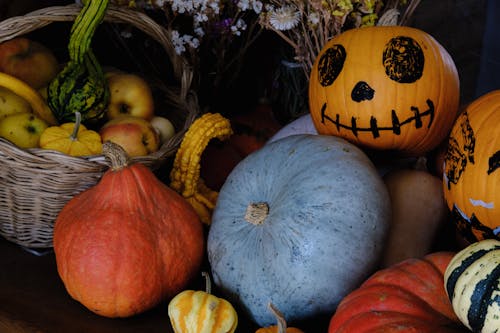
(418, 212)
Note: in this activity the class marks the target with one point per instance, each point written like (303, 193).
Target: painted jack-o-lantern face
(471, 179)
(386, 88)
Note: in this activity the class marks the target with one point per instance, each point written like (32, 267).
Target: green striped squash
(472, 282)
(81, 86)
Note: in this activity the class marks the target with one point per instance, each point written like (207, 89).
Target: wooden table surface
(33, 299)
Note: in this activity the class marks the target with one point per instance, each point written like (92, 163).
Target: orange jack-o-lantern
(471, 177)
(385, 88)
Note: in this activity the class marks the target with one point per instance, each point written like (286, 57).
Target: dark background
(468, 29)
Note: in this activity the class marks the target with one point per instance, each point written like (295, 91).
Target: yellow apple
(22, 129)
(11, 103)
(130, 95)
(136, 135)
(29, 61)
(164, 127)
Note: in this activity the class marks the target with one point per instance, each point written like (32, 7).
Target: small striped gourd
(472, 282)
(198, 311)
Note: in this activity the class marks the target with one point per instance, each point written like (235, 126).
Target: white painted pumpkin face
(471, 172)
(393, 88)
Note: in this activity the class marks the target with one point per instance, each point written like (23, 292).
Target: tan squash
(418, 212)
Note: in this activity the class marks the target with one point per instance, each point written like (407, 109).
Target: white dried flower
(284, 18)
(313, 18)
(180, 42)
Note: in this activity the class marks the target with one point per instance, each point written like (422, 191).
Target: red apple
(130, 95)
(29, 61)
(136, 135)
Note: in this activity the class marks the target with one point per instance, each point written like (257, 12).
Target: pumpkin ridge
(377, 297)
(389, 321)
(408, 275)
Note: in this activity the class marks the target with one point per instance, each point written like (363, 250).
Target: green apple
(11, 103)
(22, 129)
(29, 61)
(136, 135)
(164, 127)
(129, 95)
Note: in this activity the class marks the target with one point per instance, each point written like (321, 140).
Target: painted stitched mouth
(374, 128)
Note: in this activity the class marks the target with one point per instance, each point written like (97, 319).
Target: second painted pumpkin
(471, 177)
(385, 87)
(299, 222)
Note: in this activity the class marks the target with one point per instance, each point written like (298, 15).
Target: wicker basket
(35, 183)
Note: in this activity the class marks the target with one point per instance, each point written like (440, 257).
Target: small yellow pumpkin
(72, 138)
(199, 311)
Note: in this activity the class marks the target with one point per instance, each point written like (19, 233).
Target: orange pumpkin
(127, 243)
(471, 179)
(385, 87)
(406, 297)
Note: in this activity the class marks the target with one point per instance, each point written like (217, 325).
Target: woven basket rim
(185, 98)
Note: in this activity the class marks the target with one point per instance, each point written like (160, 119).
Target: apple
(130, 95)
(164, 127)
(29, 61)
(11, 103)
(136, 135)
(22, 129)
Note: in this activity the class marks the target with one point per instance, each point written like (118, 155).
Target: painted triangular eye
(330, 64)
(403, 60)
(494, 162)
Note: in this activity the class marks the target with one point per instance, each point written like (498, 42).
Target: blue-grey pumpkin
(299, 223)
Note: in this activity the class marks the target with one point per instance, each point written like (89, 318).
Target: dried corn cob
(185, 174)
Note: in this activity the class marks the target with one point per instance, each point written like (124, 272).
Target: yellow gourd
(199, 311)
(72, 138)
(185, 174)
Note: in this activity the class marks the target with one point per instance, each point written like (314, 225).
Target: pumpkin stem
(389, 18)
(421, 164)
(78, 120)
(208, 282)
(279, 318)
(257, 212)
(116, 155)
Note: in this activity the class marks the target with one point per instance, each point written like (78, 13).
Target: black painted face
(330, 64)
(402, 60)
(457, 157)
